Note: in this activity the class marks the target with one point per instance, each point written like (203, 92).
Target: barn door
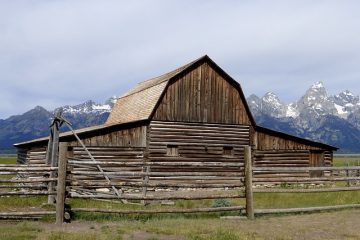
(316, 160)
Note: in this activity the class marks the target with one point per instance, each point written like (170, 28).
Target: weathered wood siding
(33, 156)
(266, 141)
(328, 158)
(279, 158)
(199, 143)
(111, 159)
(202, 95)
(131, 137)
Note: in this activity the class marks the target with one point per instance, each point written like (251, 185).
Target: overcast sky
(58, 52)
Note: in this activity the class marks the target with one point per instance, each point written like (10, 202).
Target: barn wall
(34, 156)
(277, 151)
(196, 143)
(265, 141)
(202, 95)
(280, 158)
(131, 137)
(108, 157)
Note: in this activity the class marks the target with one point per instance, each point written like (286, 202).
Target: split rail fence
(26, 181)
(135, 181)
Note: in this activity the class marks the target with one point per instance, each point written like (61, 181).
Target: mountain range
(331, 119)
(35, 122)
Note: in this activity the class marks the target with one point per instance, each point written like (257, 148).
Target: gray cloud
(64, 52)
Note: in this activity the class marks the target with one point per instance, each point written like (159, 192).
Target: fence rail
(134, 178)
(26, 181)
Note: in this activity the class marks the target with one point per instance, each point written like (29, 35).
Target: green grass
(7, 160)
(296, 200)
(344, 161)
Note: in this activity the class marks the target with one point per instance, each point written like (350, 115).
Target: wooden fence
(142, 182)
(26, 180)
(119, 174)
(281, 178)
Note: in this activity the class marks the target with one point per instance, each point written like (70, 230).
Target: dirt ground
(330, 225)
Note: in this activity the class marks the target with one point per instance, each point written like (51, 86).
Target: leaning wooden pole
(117, 192)
(52, 156)
(61, 185)
(248, 183)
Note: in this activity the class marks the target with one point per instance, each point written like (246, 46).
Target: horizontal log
(282, 165)
(23, 186)
(17, 168)
(195, 143)
(94, 184)
(21, 217)
(303, 179)
(202, 126)
(141, 164)
(26, 214)
(154, 174)
(312, 190)
(290, 169)
(308, 209)
(155, 211)
(27, 193)
(280, 150)
(168, 197)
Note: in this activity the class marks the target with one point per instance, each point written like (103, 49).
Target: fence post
(61, 184)
(248, 183)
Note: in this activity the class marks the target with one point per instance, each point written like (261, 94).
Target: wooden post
(248, 183)
(348, 174)
(61, 185)
(53, 157)
(145, 183)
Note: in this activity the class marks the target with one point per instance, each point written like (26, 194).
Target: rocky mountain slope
(334, 120)
(35, 123)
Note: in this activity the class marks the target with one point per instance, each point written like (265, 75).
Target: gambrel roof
(140, 102)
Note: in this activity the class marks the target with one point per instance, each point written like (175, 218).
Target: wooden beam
(61, 185)
(248, 183)
(154, 211)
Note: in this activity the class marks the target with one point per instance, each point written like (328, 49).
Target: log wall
(279, 158)
(218, 148)
(289, 158)
(202, 95)
(265, 141)
(33, 156)
(84, 177)
(131, 137)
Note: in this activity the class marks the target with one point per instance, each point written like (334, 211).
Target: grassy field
(330, 225)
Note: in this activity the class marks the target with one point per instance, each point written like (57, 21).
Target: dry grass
(331, 225)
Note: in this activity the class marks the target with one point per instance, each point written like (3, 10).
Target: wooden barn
(193, 119)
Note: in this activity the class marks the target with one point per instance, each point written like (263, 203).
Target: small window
(172, 150)
(228, 151)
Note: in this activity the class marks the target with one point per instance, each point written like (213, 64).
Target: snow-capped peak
(87, 107)
(348, 93)
(317, 85)
(272, 98)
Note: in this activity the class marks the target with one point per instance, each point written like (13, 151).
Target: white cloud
(63, 52)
